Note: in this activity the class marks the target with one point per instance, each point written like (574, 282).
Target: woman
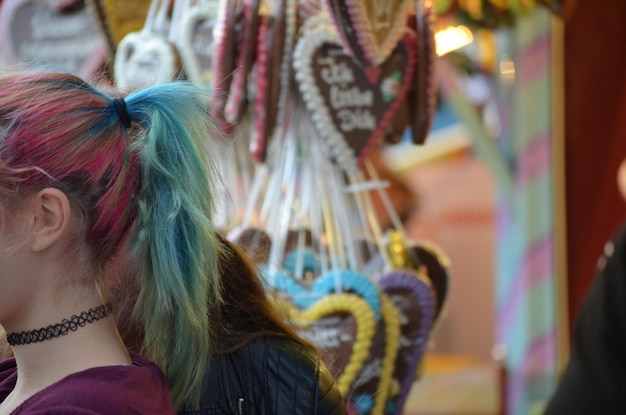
(87, 180)
(259, 364)
(134, 180)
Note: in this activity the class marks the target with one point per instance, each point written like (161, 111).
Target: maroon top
(138, 389)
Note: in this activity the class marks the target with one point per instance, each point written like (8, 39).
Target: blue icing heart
(310, 261)
(282, 283)
(350, 281)
(363, 403)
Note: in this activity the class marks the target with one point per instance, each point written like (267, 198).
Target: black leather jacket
(269, 376)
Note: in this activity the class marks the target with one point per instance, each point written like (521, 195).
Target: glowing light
(452, 38)
(507, 69)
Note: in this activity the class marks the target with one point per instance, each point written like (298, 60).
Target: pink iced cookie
(273, 74)
(247, 21)
(421, 100)
(369, 29)
(37, 32)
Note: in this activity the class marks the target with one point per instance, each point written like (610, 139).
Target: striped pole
(526, 286)
(522, 163)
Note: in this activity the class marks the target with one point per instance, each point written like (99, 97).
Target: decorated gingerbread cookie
(306, 9)
(148, 57)
(421, 100)
(369, 392)
(195, 42)
(342, 327)
(247, 23)
(369, 29)
(413, 296)
(435, 265)
(145, 59)
(253, 241)
(273, 74)
(38, 32)
(351, 106)
(223, 61)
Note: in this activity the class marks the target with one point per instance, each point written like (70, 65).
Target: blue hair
(174, 243)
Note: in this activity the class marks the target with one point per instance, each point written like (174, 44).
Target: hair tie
(122, 111)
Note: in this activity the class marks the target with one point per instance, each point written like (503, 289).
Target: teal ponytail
(174, 243)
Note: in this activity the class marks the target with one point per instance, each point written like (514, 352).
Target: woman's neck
(44, 363)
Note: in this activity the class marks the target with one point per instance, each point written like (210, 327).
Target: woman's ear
(51, 218)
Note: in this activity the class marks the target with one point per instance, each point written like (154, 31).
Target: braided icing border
(365, 323)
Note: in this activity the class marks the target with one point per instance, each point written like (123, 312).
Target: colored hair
(148, 188)
(247, 312)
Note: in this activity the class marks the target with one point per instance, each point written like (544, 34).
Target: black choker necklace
(59, 329)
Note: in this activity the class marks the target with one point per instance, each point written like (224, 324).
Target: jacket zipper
(240, 406)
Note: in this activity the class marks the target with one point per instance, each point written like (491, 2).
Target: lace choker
(59, 329)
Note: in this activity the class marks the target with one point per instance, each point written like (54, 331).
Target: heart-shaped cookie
(370, 29)
(305, 295)
(369, 392)
(351, 106)
(435, 265)
(273, 74)
(223, 61)
(306, 9)
(145, 59)
(247, 21)
(303, 263)
(421, 99)
(195, 42)
(35, 32)
(342, 327)
(413, 296)
(255, 242)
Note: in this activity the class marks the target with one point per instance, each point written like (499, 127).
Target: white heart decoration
(144, 59)
(195, 42)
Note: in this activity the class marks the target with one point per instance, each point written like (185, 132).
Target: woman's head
(139, 180)
(58, 132)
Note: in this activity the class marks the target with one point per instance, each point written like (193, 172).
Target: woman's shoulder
(297, 374)
(270, 375)
(138, 389)
(8, 377)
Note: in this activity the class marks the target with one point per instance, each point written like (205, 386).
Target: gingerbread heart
(145, 59)
(306, 9)
(369, 392)
(195, 42)
(413, 296)
(303, 263)
(304, 295)
(35, 32)
(255, 242)
(273, 74)
(421, 99)
(369, 29)
(435, 265)
(351, 106)
(342, 327)
(247, 21)
(223, 61)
